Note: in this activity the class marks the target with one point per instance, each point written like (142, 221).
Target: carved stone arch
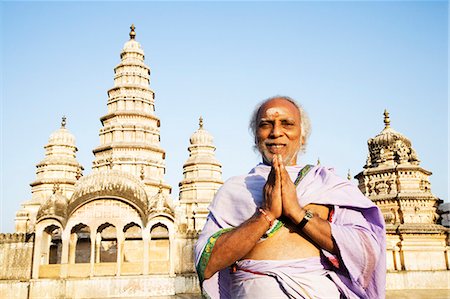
(51, 241)
(110, 184)
(47, 248)
(139, 210)
(133, 249)
(161, 250)
(107, 243)
(80, 244)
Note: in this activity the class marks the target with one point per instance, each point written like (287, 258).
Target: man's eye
(288, 124)
(264, 124)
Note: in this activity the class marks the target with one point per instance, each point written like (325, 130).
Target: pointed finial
(318, 161)
(63, 121)
(387, 121)
(349, 175)
(132, 32)
(160, 186)
(55, 188)
(200, 122)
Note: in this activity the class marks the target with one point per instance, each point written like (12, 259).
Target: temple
(119, 232)
(417, 245)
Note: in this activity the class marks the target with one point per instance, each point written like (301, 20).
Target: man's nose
(276, 131)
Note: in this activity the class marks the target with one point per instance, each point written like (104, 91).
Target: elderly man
(287, 230)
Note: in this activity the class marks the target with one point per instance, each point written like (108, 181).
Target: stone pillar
(37, 254)
(72, 247)
(447, 257)
(145, 238)
(98, 242)
(65, 254)
(397, 259)
(92, 260)
(171, 255)
(119, 259)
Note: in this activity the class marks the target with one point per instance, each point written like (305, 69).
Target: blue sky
(344, 61)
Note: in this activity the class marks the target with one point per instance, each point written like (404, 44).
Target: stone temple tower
(59, 170)
(130, 137)
(394, 180)
(202, 177)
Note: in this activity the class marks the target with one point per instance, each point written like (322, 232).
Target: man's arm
(237, 243)
(317, 229)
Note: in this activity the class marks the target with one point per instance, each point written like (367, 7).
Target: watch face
(309, 215)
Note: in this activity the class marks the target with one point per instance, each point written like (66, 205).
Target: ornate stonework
(394, 180)
(117, 226)
(202, 177)
(130, 138)
(59, 169)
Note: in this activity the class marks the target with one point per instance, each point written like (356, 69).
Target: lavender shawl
(357, 227)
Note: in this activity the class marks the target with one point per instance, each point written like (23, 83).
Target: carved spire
(132, 32)
(387, 121)
(318, 161)
(63, 121)
(200, 122)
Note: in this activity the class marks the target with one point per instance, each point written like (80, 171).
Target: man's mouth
(275, 148)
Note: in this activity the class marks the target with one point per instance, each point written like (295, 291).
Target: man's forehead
(278, 106)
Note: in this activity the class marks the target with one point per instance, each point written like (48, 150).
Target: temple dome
(132, 45)
(54, 207)
(390, 147)
(109, 184)
(201, 137)
(62, 136)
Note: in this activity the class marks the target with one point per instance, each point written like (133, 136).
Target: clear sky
(344, 61)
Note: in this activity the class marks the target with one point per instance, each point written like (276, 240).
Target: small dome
(201, 136)
(55, 206)
(388, 136)
(62, 136)
(389, 146)
(132, 45)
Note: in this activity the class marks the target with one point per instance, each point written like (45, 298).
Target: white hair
(305, 123)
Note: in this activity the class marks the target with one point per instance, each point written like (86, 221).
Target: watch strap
(308, 216)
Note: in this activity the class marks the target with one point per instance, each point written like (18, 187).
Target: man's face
(278, 131)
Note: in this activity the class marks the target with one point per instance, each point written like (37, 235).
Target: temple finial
(318, 161)
(349, 176)
(63, 121)
(132, 32)
(200, 122)
(387, 121)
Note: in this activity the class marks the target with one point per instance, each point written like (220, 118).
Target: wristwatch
(308, 216)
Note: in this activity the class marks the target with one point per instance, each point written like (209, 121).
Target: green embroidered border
(206, 254)
(302, 173)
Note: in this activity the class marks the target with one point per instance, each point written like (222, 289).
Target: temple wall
(101, 287)
(16, 253)
(402, 280)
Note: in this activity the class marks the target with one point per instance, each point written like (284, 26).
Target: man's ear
(303, 140)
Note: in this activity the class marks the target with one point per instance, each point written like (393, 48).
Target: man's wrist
(307, 216)
(267, 216)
